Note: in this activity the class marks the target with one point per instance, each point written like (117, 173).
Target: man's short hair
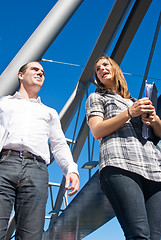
(23, 68)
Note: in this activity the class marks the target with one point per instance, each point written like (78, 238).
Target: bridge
(89, 209)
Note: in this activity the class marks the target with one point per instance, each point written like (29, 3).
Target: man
(25, 155)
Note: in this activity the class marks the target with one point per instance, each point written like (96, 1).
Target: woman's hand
(148, 114)
(142, 106)
(150, 118)
(153, 120)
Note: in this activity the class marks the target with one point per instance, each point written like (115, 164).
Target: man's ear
(20, 75)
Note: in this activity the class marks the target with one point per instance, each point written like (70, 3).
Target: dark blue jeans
(136, 202)
(24, 183)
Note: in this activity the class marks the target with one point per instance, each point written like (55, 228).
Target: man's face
(33, 76)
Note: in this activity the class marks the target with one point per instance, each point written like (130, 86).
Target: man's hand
(73, 179)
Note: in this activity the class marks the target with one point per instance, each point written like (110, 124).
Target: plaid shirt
(124, 148)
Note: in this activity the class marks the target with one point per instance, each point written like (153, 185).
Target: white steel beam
(38, 43)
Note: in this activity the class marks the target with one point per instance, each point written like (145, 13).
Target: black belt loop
(9, 152)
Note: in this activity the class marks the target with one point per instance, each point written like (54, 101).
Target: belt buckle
(21, 154)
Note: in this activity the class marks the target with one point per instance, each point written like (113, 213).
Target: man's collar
(19, 96)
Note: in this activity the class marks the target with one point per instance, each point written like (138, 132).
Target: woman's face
(105, 73)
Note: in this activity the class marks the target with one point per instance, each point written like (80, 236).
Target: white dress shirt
(32, 126)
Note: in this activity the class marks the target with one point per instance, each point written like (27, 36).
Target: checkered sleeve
(94, 106)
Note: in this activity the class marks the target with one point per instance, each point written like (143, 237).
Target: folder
(150, 92)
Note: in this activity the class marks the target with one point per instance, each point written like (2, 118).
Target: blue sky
(19, 19)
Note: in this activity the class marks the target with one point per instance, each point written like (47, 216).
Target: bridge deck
(87, 212)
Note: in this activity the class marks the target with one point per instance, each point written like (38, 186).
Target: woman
(129, 165)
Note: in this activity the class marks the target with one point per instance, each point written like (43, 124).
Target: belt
(21, 154)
